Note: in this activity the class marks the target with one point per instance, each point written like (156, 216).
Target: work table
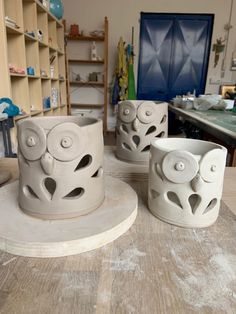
(155, 267)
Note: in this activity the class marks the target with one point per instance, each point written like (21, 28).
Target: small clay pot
(186, 181)
(61, 166)
(138, 123)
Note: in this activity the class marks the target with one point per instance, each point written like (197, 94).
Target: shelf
(29, 37)
(13, 30)
(43, 9)
(21, 116)
(24, 46)
(87, 83)
(85, 38)
(33, 77)
(46, 109)
(86, 61)
(17, 75)
(35, 112)
(95, 106)
(79, 58)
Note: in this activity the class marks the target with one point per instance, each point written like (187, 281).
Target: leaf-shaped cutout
(98, 173)
(161, 134)
(194, 201)
(154, 194)
(173, 197)
(117, 131)
(50, 186)
(126, 146)
(29, 192)
(163, 119)
(136, 140)
(211, 205)
(74, 194)
(151, 129)
(124, 128)
(146, 148)
(84, 162)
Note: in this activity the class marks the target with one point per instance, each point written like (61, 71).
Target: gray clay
(61, 166)
(138, 123)
(186, 181)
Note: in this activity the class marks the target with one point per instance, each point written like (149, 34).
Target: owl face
(61, 166)
(138, 123)
(185, 187)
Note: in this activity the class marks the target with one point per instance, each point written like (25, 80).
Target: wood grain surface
(153, 268)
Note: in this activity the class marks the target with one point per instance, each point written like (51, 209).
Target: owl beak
(197, 183)
(136, 125)
(47, 163)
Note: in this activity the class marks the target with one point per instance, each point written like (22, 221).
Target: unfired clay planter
(138, 123)
(186, 181)
(61, 166)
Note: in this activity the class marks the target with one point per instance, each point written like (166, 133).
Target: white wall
(123, 14)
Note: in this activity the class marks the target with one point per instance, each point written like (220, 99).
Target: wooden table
(219, 125)
(153, 268)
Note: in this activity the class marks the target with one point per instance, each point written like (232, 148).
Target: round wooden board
(4, 176)
(24, 235)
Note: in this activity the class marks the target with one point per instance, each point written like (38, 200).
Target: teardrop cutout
(173, 197)
(124, 128)
(151, 130)
(194, 201)
(136, 140)
(84, 162)
(126, 146)
(29, 192)
(161, 134)
(163, 119)
(154, 194)
(146, 148)
(50, 186)
(74, 194)
(210, 206)
(98, 173)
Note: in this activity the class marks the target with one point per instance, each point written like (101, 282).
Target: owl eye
(179, 166)
(65, 141)
(126, 111)
(146, 112)
(212, 165)
(32, 140)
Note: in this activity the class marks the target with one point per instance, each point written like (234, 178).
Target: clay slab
(21, 234)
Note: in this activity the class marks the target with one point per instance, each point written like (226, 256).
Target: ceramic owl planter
(186, 181)
(138, 123)
(61, 166)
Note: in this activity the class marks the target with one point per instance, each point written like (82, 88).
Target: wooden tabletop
(153, 268)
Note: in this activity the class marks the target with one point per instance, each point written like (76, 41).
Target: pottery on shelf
(138, 123)
(56, 8)
(186, 181)
(61, 166)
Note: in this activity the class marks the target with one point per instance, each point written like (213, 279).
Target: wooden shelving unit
(23, 47)
(82, 62)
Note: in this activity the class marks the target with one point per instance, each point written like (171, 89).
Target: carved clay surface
(61, 166)
(186, 181)
(138, 123)
(24, 235)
